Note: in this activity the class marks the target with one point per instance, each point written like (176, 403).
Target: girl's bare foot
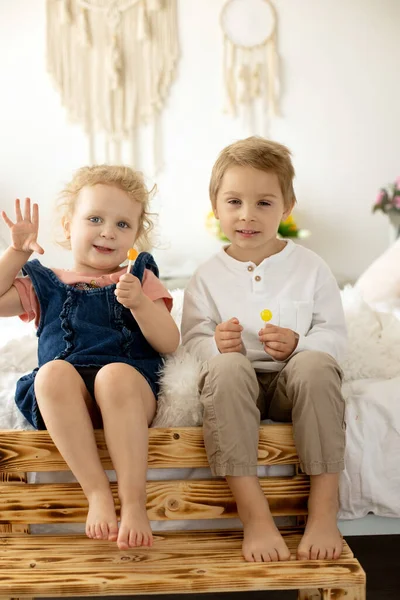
(101, 522)
(134, 529)
(263, 542)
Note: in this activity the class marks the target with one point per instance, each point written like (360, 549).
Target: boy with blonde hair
(285, 369)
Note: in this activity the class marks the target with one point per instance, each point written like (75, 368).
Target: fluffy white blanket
(374, 352)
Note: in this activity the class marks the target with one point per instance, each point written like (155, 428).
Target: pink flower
(396, 202)
(398, 182)
(379, 198)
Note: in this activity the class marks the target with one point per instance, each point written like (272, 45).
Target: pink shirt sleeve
(154, 289)
(29, 300)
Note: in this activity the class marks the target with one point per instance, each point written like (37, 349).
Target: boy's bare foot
(134, 529)
(101, 522)
(263, 542)
(322, 539)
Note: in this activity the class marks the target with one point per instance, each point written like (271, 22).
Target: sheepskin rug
(373, 352)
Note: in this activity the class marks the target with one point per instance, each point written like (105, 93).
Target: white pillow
(381, 281)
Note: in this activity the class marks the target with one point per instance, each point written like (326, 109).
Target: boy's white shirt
(296, 285)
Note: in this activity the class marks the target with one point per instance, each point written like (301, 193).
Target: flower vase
(394, 217)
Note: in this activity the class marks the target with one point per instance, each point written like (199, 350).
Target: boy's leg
(64, 403)
(229, 392)
(128, 405)
(308, 392)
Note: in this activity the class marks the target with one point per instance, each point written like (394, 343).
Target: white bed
(370, 484)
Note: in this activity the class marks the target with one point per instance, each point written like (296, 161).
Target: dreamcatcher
(251, 70)
(113, 62)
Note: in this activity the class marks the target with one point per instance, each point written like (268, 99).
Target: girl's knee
(115, 375)
(53, 376)
(120, 385)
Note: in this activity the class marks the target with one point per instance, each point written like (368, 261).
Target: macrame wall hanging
(113, 62)
(251, 70)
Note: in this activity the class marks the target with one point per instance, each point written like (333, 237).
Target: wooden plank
(48, 552)
(168, 448)
(123, 579)
(166, 500)
(13, 527)
(357, 592)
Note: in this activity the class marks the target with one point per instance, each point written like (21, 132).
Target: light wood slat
(152, 579)
(174, 447)
(49, 552)
(352, 593)
(13, 527)
(166, 500)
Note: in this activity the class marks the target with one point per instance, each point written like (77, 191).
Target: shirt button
(257, 278)
(250, 268)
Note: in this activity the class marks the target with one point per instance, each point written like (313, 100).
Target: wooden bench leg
(13, 527)
(357, 592)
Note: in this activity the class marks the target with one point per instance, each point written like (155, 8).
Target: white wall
(341, 118)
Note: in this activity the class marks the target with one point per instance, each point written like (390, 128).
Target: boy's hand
(129, 291)
(228, 336)
(24, 231)
(278, 342)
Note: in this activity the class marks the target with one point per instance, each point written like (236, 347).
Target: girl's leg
(128, 405)
(64, 403)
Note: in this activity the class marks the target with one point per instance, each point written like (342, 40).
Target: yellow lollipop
(131, 255)
(266, 315)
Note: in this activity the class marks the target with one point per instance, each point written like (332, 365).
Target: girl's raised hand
(24, 231)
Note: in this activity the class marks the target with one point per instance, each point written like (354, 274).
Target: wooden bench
(63, 565)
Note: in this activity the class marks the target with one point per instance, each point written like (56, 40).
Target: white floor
(370, 525)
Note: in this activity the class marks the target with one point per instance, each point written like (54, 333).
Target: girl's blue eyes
(96, 220)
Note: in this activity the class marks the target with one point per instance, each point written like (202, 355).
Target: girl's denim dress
(87, 328)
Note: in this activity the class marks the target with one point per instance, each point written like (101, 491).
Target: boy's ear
(215, 212)
(287, 212)
(66, 227)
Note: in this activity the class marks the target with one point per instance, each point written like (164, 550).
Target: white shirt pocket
(296, 315)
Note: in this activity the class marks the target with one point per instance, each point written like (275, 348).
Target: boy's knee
(313, 366)
(226, 367)
(228, 361)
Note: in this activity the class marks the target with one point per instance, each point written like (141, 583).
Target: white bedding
(371, 480)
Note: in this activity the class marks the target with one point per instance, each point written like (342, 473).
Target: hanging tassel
(154, 5)
(66, 12)
(245, 83)
(115, 64)
(272, 79)
(83, 35)
(143, 29)
(255, 86)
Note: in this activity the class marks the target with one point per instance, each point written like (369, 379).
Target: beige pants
(307, 392)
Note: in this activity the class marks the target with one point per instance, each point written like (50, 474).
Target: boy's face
(250, 208)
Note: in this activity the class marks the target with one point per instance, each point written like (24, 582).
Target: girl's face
(103, 227)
